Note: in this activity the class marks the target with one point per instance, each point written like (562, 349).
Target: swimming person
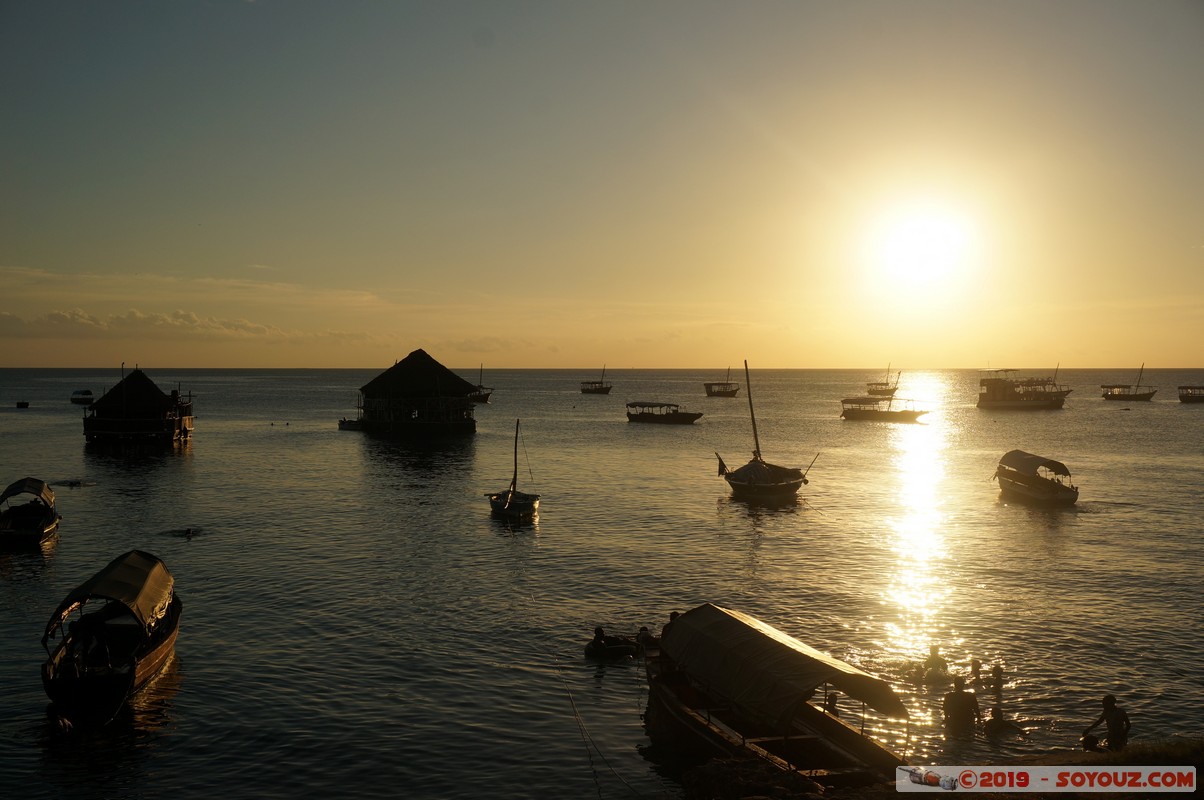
(1117, 721)
(961, 710)
(997, 726)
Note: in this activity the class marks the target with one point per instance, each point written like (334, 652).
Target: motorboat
(879, 409)
(1126, 392)
(660, 413)
(1035, 479)
(723, 388)
(597, 387)
(109, 637)
(82, 397)
(1191, 394)
(27, 514)
(885, 387)
(722, 683)
(999, 389)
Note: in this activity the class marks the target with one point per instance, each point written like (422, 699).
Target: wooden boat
(725, 684)
(724, 388)
(660, 413)
(598, 386)
(1191, 394)
(481, 393)
(1035, 479)
(884, 388)
(879, 409)
(1128, 391)
(511, 502)
(1000, 390)
(82, 397)
(27, 514)
(114, 632)
(758, 479)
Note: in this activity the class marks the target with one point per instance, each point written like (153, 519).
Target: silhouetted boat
(724, 388)
(511, 502)
(758, 479)
(1128, 391)
(598, 386)
(1191, 394)
(82, 397)
(1000, 391)
(660, 413)
(126, 620)
(1035, 479)
(884, 388)
(481, 392)
(879, 409)
(723, 683)
(22, 404)
(27, 514)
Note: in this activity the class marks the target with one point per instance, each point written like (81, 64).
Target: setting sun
(920, 244)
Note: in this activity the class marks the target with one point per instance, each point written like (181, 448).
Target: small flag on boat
(722, 466)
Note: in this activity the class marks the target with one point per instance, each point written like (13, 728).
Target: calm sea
(355, 623)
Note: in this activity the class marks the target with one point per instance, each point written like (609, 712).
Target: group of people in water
(963, 715)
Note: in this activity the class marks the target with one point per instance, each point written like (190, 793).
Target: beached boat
(510, 502)
(725, 684)
(27, 514)
(1000, 390)
(598, 386)
(1129, 391)
(758, 479)
(1035, 479)
(110, 636)
(723, 388)
(1191, 394)
(481, 392)
(82, 397)
(884, 388)
(660, 413)
(879, 409)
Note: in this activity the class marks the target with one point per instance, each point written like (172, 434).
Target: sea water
(356, 624)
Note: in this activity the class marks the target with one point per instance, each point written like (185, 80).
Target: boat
(598, 386)
(884, 388)
(481, 392)
(1128, 391)
(758, 479)
(880, 409)
(22, 404)
(511, 502)
(1001, 390)
(1191, 394)
(1035, 479)
(662, 413)
(725, 684)
(109, 637)
(82, 397)
(724, 388)
(27, 514)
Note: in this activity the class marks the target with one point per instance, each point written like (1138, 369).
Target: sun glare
(920, 245)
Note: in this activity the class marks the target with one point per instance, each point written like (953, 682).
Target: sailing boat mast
(514, 478)
(756, 439)
(1139, 373)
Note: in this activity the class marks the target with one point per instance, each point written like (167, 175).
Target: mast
(756, 439)
(1139, 372)
(514, 479)
(603, 374)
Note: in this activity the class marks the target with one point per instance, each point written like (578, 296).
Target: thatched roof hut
(417, 395)
(137, 409)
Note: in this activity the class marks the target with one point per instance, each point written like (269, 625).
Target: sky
(569, 184)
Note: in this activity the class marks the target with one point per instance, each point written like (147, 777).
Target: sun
(921, 244)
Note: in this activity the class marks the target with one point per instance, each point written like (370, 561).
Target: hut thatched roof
(417, 375)
(135, 396)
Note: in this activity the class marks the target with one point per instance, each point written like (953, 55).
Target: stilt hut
(417, 396)
(136, 411)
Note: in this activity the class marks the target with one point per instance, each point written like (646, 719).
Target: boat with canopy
(27, 514)
(1035, 479)
(1129, 391)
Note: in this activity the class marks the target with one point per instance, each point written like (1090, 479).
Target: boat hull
(1191, 394)
(1034, 404)
(514, 505)
(1125, 397)
(721, 389)
(1036, 491)
(595, 389)
(672, 418)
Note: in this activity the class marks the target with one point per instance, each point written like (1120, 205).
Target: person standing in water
(1117, 722)
(962, 713)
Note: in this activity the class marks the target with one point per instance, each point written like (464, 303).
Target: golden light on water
(917, 588)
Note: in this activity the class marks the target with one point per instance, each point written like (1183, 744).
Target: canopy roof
(38, 488)
(1028, 463)
(642, 404)
(137, 580)
(761, 472)
(766, 672)
(418, 375)
(136, 395)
